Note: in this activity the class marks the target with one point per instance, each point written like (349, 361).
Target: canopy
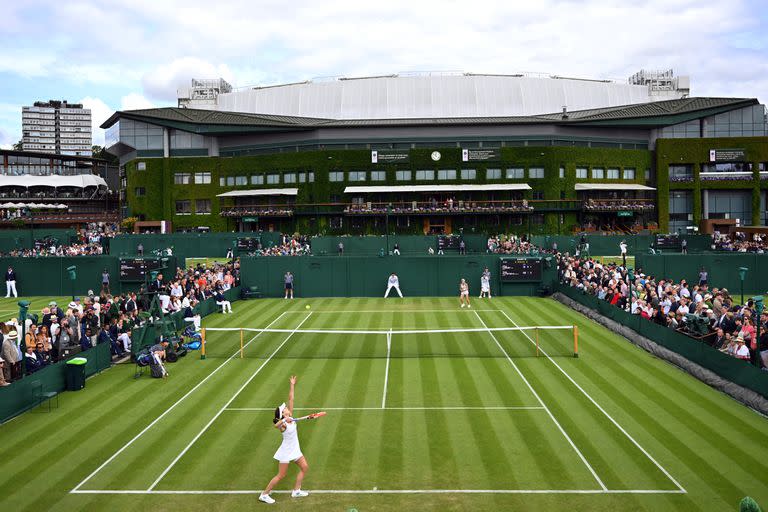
(261, 192)
(32, 180)
(19, 206)
(611, 186)
(437, 188)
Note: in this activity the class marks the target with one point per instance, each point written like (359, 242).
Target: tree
(100, 152)
(19, 145)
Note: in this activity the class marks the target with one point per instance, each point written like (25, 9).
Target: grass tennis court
(467, 418)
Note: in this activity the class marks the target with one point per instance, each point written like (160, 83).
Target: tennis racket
(311, 416)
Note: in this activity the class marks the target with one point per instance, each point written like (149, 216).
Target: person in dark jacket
(10, 283)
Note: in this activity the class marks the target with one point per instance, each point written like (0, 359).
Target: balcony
(616, 205)
(258, 211)
(449, 207)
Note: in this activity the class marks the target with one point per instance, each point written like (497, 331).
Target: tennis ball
(307, 306)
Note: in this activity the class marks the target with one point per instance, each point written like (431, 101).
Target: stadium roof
(29, 180)
(435, 188)
(658, 113)
(261, 192)
(611, 186)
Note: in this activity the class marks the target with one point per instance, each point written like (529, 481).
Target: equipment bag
(156, 371)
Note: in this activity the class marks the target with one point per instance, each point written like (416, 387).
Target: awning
(611, 186)
(38, 206)
(436, 188)
(54, 181)
(261, 192)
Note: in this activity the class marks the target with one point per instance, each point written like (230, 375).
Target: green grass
(485, 428)
(9, 308)
(208, 262)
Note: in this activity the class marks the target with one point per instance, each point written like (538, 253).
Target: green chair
(39, 395)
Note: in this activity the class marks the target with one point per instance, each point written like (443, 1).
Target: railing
(258, 211)
(450, 207)
(614, 205)
(65, 218)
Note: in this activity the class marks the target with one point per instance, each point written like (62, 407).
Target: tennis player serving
(289, 450)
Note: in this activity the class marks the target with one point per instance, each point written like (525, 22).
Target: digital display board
(247, 244)
(520, 269)
(448, 242)
(138, 269)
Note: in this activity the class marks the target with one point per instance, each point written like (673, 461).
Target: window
(629, 173)
(230, 181)
(273, 179)
(311, 177)
(257, 179)
(181, 178)
(202, 206)
(336, 176)
(562, 173)
(598, 173)
(378, 175)
(612, 174)
(581, 173)
(425, 175)
(647, 175)
(289, 177)
(356, 175)
(515, 173)
(403, 175)
(202, 178)
(337, 222)
(537, 218)
(536, 173)
(302, 177)
(140, 191)
(183, 207)
(141, 166)
(680, 172)
(222, 181)
(493, 174)
(241, 180)
(468, 174)
(446, 174)
(538, 195)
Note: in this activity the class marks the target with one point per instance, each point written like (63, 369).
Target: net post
(241, 343)
(575, 341)
(202, 345)
(536, 330)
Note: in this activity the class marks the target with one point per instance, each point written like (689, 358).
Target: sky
(128, 54)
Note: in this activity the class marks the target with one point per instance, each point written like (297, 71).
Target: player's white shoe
(469, 305)
(266, 498)
(298, 493)
(462, 305)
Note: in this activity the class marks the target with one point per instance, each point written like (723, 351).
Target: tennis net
(534, 341)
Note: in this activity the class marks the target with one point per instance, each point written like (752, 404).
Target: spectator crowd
(741, 242)
(89, 242)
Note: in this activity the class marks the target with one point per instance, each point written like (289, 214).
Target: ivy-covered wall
(695, 152)
(161, 194)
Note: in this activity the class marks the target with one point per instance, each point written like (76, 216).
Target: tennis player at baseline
(289, 450)
(464, 293)
(393, 282)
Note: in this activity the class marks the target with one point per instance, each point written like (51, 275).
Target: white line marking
(205, 428)
(552, 416)
(680, 487)
(137, 436)
(457, 408)
(398, 331)
(386, 371)
(398, 491)
(446, 310)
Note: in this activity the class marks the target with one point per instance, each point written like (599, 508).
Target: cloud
(100, 112)
(135, 101)
(162, 82)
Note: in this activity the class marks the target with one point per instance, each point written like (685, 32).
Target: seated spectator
(42, 354)
(226, 306)
(742, 352)
(31, 360)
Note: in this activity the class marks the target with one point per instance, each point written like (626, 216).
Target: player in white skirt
(289, 450)
(464, 293)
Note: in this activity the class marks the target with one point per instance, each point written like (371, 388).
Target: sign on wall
(480, 155)
(389, 156)
(727, 155)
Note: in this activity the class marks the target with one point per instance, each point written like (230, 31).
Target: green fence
(11, 239)
(723, 269)
(20, 395)
(727, 367)
(331, 276)
(409, 244)
(185, 245)
(608, 245)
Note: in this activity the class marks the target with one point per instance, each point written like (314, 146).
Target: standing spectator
(341, 248)
(485, 284)
(3, 382)
(12, 357)
(230, 255)
(703, 276)
(393, 282)
(288, 279)
(623, 250)
(684, 246)
(396, 250)
(10, 283)
(105, 282)
(462, 247)
(140, 249)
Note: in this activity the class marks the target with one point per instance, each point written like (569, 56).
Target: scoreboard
(520, 270)
(448, 242)
(668, 242)
(137, 270)
(248, 244)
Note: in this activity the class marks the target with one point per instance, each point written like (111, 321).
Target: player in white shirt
(289, 451)
(485, 284)
(393, 282)
(464, 293)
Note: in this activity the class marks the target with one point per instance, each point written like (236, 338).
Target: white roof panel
(611, 186)
(30, 180)
(261, 192)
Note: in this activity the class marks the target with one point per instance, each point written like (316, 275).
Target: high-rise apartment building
(56, 127)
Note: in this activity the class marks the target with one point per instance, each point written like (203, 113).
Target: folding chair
(40, 396)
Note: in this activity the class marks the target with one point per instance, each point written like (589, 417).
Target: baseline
(395, 491)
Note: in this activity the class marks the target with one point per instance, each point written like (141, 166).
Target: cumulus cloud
(100, 112)
(162, 82)
(135, 101)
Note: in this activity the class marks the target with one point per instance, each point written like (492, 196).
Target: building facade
(663, 165)
(56, 127)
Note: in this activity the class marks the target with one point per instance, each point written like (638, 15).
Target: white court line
(447, 408)
(680, 487)
(398, 491)
(207, 426)
(552, 416)
(447, 310)
(137, 436)
(386, 371)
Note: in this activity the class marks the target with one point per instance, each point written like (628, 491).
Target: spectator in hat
(12, 356)
(742, 352)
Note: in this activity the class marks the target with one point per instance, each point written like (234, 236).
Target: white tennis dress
(289, 449)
